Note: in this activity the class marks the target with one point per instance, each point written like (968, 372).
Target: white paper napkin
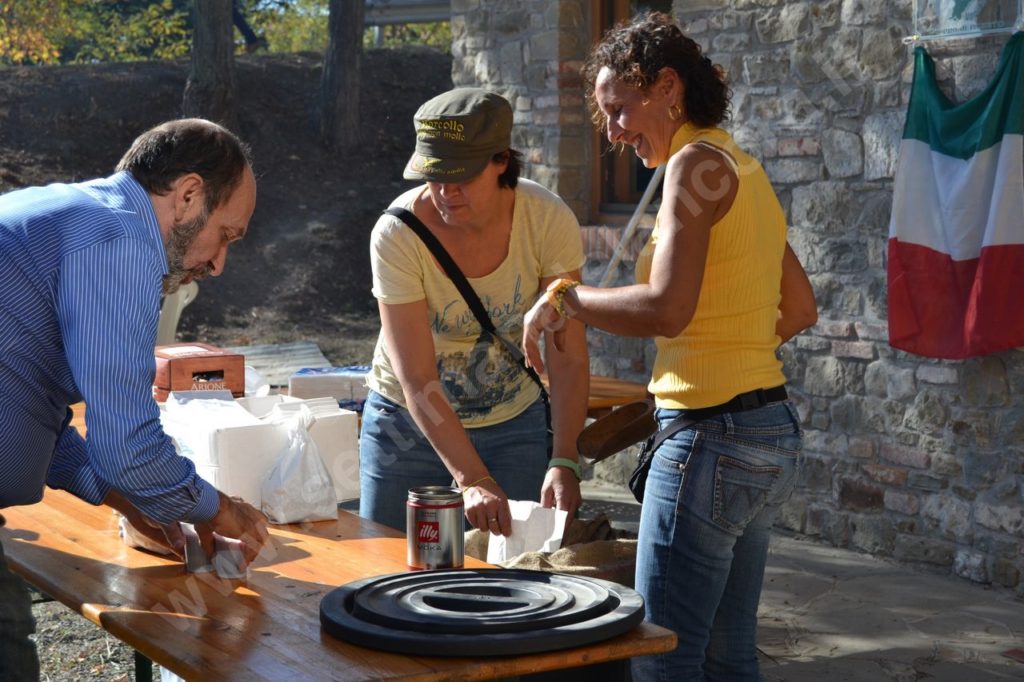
(534, 529)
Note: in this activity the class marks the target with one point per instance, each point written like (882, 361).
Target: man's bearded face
(183, 235)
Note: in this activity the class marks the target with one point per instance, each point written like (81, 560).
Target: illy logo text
(429, 531)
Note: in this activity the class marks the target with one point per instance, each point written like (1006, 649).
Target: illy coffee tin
(433, 522)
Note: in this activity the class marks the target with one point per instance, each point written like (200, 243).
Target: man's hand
(168, 536)
(237, 520)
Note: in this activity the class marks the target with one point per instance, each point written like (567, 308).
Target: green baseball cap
(457, 134)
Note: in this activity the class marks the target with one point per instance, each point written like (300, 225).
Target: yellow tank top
(729, 347)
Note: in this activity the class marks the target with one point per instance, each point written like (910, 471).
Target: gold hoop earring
(675, 112)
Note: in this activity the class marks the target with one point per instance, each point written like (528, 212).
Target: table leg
(143, 668)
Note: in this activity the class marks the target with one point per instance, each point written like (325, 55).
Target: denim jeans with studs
(712, 495)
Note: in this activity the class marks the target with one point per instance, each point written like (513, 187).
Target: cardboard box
(197, 367)
(237, 457)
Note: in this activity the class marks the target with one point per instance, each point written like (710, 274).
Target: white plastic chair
(170, 312)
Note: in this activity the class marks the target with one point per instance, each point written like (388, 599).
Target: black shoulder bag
(638, 479)
(475, 305)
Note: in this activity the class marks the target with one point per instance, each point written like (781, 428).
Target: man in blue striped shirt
(82, 269)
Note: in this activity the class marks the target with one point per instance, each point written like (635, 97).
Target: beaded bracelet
(556, 292)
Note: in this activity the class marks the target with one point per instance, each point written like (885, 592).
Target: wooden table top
(611, 392)
(264, 628)
(607, 393)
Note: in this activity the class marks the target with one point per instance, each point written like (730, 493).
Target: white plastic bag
(299, 487)
(255, 384)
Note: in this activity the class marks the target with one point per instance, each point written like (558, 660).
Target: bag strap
(462, 284)
(678, 424)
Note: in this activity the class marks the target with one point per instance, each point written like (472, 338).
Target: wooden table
(265, 628)
(607, 393)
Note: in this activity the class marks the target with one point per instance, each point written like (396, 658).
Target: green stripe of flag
(961, 130)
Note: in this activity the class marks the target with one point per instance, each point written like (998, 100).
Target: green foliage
(295, 26)
(32, 31)
(52, 31)
(301, 25)
(117, 31)
(77, 31)
(435, 34)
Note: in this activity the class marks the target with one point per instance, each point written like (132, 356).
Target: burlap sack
(589, 548)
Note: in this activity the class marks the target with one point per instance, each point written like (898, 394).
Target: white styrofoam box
(237, 458)
(340, 383)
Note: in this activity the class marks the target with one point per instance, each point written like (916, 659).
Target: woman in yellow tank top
(720, 289)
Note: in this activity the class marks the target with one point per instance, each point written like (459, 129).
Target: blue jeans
(394, 456)
(18, 659)
(712, 495)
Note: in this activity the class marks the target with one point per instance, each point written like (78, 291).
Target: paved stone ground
(834, 615)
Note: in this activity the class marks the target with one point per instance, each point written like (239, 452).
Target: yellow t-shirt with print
(481, 379)
(729, 346)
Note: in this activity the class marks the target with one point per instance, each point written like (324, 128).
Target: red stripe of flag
(942, 308)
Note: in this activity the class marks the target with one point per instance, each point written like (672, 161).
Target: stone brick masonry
(530, 51)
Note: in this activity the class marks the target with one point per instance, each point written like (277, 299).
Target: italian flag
(956, 237)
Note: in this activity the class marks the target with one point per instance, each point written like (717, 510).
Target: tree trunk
(210, 90)
(339, 86)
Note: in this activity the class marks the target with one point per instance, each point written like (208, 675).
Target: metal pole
(627, 234)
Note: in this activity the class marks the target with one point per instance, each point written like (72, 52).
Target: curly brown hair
(636, 52)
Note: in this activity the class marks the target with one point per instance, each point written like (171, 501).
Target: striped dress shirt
(81, 267)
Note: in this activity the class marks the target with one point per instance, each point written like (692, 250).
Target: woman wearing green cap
(450, 401)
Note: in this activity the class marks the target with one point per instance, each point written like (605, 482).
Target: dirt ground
(303, 270)
(301, 274)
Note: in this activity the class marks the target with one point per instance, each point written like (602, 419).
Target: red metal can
(434, 527)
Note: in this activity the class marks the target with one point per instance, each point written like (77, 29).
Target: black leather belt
(687, 418)
(744, 401)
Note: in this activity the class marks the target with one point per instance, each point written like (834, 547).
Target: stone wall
(531, 51)
(918, 459)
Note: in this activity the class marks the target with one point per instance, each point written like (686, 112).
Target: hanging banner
(956, 236)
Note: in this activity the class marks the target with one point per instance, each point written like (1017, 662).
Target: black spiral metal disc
(479, 612)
